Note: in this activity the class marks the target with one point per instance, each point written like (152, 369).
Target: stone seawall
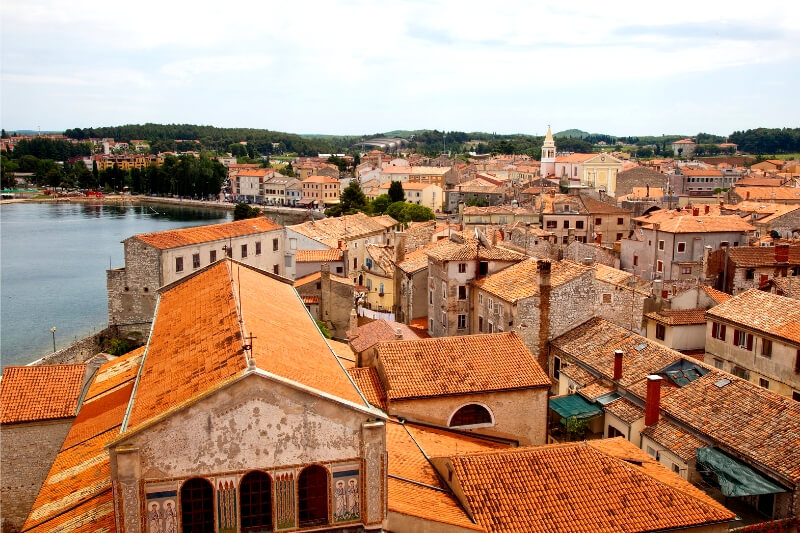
(77, 352)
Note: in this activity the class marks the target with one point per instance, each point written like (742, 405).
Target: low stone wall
(77, 352)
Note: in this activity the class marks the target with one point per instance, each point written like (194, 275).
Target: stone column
(375, 481)
(126, 477)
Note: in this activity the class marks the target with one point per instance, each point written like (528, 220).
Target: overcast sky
(353, 67)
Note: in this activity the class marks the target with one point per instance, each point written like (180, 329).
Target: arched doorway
(312, 496)
(255, 502)
(197, 506)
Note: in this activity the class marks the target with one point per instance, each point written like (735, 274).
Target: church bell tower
(548, 167)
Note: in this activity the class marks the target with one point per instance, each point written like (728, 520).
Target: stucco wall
(27, 451)
(412, 524)
(690, 337)
(518, 415)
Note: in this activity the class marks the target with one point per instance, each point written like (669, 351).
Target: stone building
(452, 265)
(153, 260)
(411, 285)
(310, 261)
(751, 267)
(37, 407)
(329, 298)
(754, 336)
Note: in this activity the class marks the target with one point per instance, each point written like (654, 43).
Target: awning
(574, 405)
(734, 477)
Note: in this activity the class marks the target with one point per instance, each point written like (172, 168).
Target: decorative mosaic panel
(227, 506)
(346, 493)
(161, 508)
(285, 500)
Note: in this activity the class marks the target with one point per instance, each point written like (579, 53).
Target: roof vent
(640, 347)
(721, 383)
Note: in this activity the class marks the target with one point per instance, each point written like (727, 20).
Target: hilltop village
(581, 344)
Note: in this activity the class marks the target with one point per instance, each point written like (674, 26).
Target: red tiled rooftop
(44, 392)
(366, 336)
(318, 256)
(164, 240)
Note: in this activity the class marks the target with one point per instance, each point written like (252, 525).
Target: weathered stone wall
(622, 306)
(578, 251)
(418, 234)
(335, 303)
(27, 451)
(77, 352)
(132, 290)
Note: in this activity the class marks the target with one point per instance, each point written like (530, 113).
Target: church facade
(596, 171)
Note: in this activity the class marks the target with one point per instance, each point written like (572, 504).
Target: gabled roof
(768, 193)
(596, 207)
(595, 486)
(574, 158)
(625, 410)
(470, 249)
(368, 335)
(330, 230)
(382, 256)
(678, 317)
(763, 311)
(467, 364)
(329, 255)
(200, 329)
(77, 495)
(164, 240)
(522, 279)
(686, 223)
(370, 385)
(717, 296)
(677, 440)
(44, 392)
(761, 256)
(415, 261)
(320, 179)
(315, 276)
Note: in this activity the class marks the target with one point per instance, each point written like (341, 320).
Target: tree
(288, 171)
(396, 192)
(243, 211)
(380, 204)
(476, 202)
(417, 213)
(395, 210)
(352, 200)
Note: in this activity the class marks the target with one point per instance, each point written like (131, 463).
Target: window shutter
(736, 337)
(714, 330)
(722, 332)
(749, 341)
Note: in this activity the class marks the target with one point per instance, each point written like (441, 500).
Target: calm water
(53, 261)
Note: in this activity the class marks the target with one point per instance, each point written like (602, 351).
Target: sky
(355, 67)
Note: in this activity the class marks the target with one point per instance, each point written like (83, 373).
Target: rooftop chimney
(617, 365)
(748, 195)
(543, 266)
(652, 404)
(706, 209)
(398, 334)
(695, 211)
(781, 253)
(399, 247)
(351, 333)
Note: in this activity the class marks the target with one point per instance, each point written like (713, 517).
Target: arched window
(255, 502)
(197, 506)
(471, 414)
(312, 496)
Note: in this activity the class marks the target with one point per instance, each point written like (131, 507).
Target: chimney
(706, 209)
(695, 211)
(543, 267)
(399, 247)
(398, 334)
(494, 237)
(652, 405)
(598, 238)
(781, 253)
(351, 333)
(748, 195)
(340, 244)
(617, 365)
(588, 261)
(648, 191)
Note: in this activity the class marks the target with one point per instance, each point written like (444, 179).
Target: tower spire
(548, 154)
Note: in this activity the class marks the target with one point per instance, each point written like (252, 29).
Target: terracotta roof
(522, 279)
(368, 335)
(717, 296)
(43, 392)
(741, 416)
(790, 286)
(314, 276)
(579, 487)
(703, 172)
(416, 170)
(383, 257)
(330, 230)
(762, 311)
(370, 385)
(318, 256)
(684, 141)
(343, 352)
(678, 317)
(578, 374)
(625, 410)
(574, 158)
(458, 365)
(76, 495)
(593, 344)
(686, 223)
(760, 256)
(310, 300)
(678, 441)
(408, 186)
(415, 261)
(115, 373)
(594, 390)
(196, 342)
(768, 193)
(594, 206)
(175, 238)
(320, 179)
(469, 250)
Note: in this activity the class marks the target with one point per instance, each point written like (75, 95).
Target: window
(556, 366)
(659, 266)
(652, 453)
(676, 468)
(255, 502)
(660, 245)
(312, 496)
(462, 321)
(743, 339)
(620, 221)
(276, 269)
(195, 260)
(179, 264)
(565, 239)
(244, 251)
(258, 248)
(614, 432)
(723, 244)
(355, 262)
(480, 324)
(470, 415)
(462, 292)
(619, 236)
(740, 372)
(579, 224)
(444, 320)
(598, 221)
(430, 297)
(444, 290)
(718, 331)
(766, 347)
(480, 298)
(491, 327)
(197, 506)
(462, 268)
(212, 256)
(661, 332)
(750, 273)
(681, 247)
(797, 362)
(686, 270)
(718, 364)
(430, 325)
(566, 224)
(796, 396)
(369, 284)
(491, 304)
(606, 297)
(763, 383)
(380, 289)
(483, 268)
(551, 224)
(635, 260)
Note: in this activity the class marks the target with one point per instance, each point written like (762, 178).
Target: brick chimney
(398, 334)
(399, 247)
(748, 195)
(695, 211)
(617, 365)
(652, 405)
(353, 326)
(543, 268)
(706, 209)
(781, 253)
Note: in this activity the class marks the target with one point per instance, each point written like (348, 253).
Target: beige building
(754, 336)
(320, 191)
(429, 195)
(153, 260)
(440, 176)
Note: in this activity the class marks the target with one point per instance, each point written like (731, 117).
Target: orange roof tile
(320, 179)
(717, 296)
(704, 224)
(768, 193)
(577, 374)
(197, 343)
(625, 410)
(29, 393)
(677, 440)
(762, 311)
(522, 280)
(371, 333)
(314, 276)
(370, 385)
(415, 261)
(579, 487)
(458, 365)
(678, 317)
(761, 256)
(318, 256)
(469, 249)
(115, 373)
(310, 300)
(574, 158)
(594, 390)
(330, 230)
(164, 240)
(427, 503)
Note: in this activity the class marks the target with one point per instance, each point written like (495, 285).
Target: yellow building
(376, 278)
